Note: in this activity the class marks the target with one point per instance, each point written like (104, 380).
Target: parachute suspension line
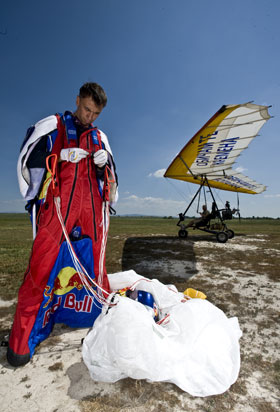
(105, 215)
(34, 220)
(84, 276)
(133, 287)
(108, 179)
(105, 229)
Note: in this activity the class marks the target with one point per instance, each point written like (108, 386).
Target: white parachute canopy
(193, 345)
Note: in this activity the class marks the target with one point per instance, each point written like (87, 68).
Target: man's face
(87, 110)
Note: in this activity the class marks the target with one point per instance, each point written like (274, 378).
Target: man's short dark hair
(95, 91)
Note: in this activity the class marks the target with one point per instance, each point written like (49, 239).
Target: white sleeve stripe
(42, 127)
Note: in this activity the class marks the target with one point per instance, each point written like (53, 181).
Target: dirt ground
(240, 277)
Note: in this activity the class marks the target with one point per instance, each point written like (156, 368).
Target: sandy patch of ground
(6, 304)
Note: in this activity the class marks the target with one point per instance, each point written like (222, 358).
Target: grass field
(125, 233)
(241, 277)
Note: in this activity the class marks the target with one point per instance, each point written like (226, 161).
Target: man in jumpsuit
(83, 172)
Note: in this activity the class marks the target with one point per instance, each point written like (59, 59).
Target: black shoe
(17, 360)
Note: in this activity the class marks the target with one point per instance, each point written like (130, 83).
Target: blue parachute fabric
(51, 140)
(65, 299)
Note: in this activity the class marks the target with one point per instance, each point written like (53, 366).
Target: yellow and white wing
(213, 150)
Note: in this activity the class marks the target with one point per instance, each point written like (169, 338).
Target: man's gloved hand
(73, 155)
(100, 158)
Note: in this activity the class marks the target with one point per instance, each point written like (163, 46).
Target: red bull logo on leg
(71, 302)
(67, 279)
(84, 305)
(48, 293)
(51, 311)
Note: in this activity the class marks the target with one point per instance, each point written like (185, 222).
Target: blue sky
(167, 67)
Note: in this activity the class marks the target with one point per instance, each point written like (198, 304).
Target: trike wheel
(183, 233)
(222, 237)
(230, 233)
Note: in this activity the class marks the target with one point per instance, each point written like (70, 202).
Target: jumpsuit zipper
(91, 193)
(70, 199)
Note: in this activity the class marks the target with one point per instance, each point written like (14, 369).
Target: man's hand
(73, 155)
(100, 158)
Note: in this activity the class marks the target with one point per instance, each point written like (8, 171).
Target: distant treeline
(192, 217)
(233, 217)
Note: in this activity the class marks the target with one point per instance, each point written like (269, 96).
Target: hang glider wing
(214, 148)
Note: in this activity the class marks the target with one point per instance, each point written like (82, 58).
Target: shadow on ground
(168, 259)
(127, 394)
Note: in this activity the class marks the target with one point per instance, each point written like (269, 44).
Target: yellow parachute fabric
(214, 148)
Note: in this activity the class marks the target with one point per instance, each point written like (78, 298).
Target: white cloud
(273, 196)
(157, 206)
(148, 205)
(240, 169)
(157, 173)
